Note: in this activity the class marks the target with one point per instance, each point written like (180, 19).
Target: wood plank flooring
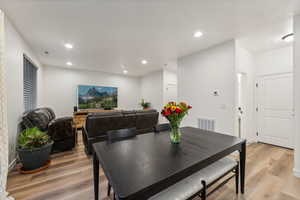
(268, 176)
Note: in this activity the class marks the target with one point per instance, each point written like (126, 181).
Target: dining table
(142, 166)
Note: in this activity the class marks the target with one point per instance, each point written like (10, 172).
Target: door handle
(240, 110)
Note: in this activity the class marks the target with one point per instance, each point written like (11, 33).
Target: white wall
(15, 47)
(60, 86)
(152, 90)
(297, 94)
(199, 75)
(169, 80)
(245, 64)
(274, 61)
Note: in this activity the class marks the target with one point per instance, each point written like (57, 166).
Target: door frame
(256, 102)
(245, 116)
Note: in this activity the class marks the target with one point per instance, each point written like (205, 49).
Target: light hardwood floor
(268, 176)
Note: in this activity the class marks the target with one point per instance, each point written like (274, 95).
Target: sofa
(98, 124)
(61, 130)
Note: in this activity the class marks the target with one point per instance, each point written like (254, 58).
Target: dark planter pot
(36, 158)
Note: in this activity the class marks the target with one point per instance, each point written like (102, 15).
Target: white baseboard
(252, 140)
(5, 196)
(296, 172)
(12, 165)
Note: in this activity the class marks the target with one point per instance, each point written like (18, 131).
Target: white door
(275, 110)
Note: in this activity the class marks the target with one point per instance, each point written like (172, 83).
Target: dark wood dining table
(143, 166)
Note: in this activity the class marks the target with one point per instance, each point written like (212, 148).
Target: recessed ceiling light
(125, 71)
(69, 63)
(198, 34)
(144, 62)
(69, 46)
(288, 37)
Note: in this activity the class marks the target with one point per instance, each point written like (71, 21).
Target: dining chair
(119, 135)
(198, 183)
(162, 127)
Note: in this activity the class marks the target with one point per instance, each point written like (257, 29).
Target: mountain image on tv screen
(90, 97)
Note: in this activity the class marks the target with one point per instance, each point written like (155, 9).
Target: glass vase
(175, 134)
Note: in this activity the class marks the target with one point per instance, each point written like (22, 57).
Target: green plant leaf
(33, 138)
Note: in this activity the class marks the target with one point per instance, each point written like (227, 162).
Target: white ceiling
(110, 33)
(268, 37)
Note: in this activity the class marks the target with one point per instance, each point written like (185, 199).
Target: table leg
(243, 166)
(96, 176)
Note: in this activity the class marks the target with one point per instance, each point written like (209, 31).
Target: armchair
(61, 130)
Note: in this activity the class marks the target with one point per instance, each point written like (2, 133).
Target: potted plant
(174, 113)
(34, 148)
(145, 104)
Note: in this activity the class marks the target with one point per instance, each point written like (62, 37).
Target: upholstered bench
(197, 183)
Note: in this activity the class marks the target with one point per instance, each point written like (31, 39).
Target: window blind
(30, 84)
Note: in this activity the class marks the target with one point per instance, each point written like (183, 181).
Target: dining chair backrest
(162, 127)
(121, 134)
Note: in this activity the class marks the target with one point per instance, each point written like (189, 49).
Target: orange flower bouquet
(174, 113)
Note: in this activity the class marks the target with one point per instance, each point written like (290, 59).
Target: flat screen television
(97, 97)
